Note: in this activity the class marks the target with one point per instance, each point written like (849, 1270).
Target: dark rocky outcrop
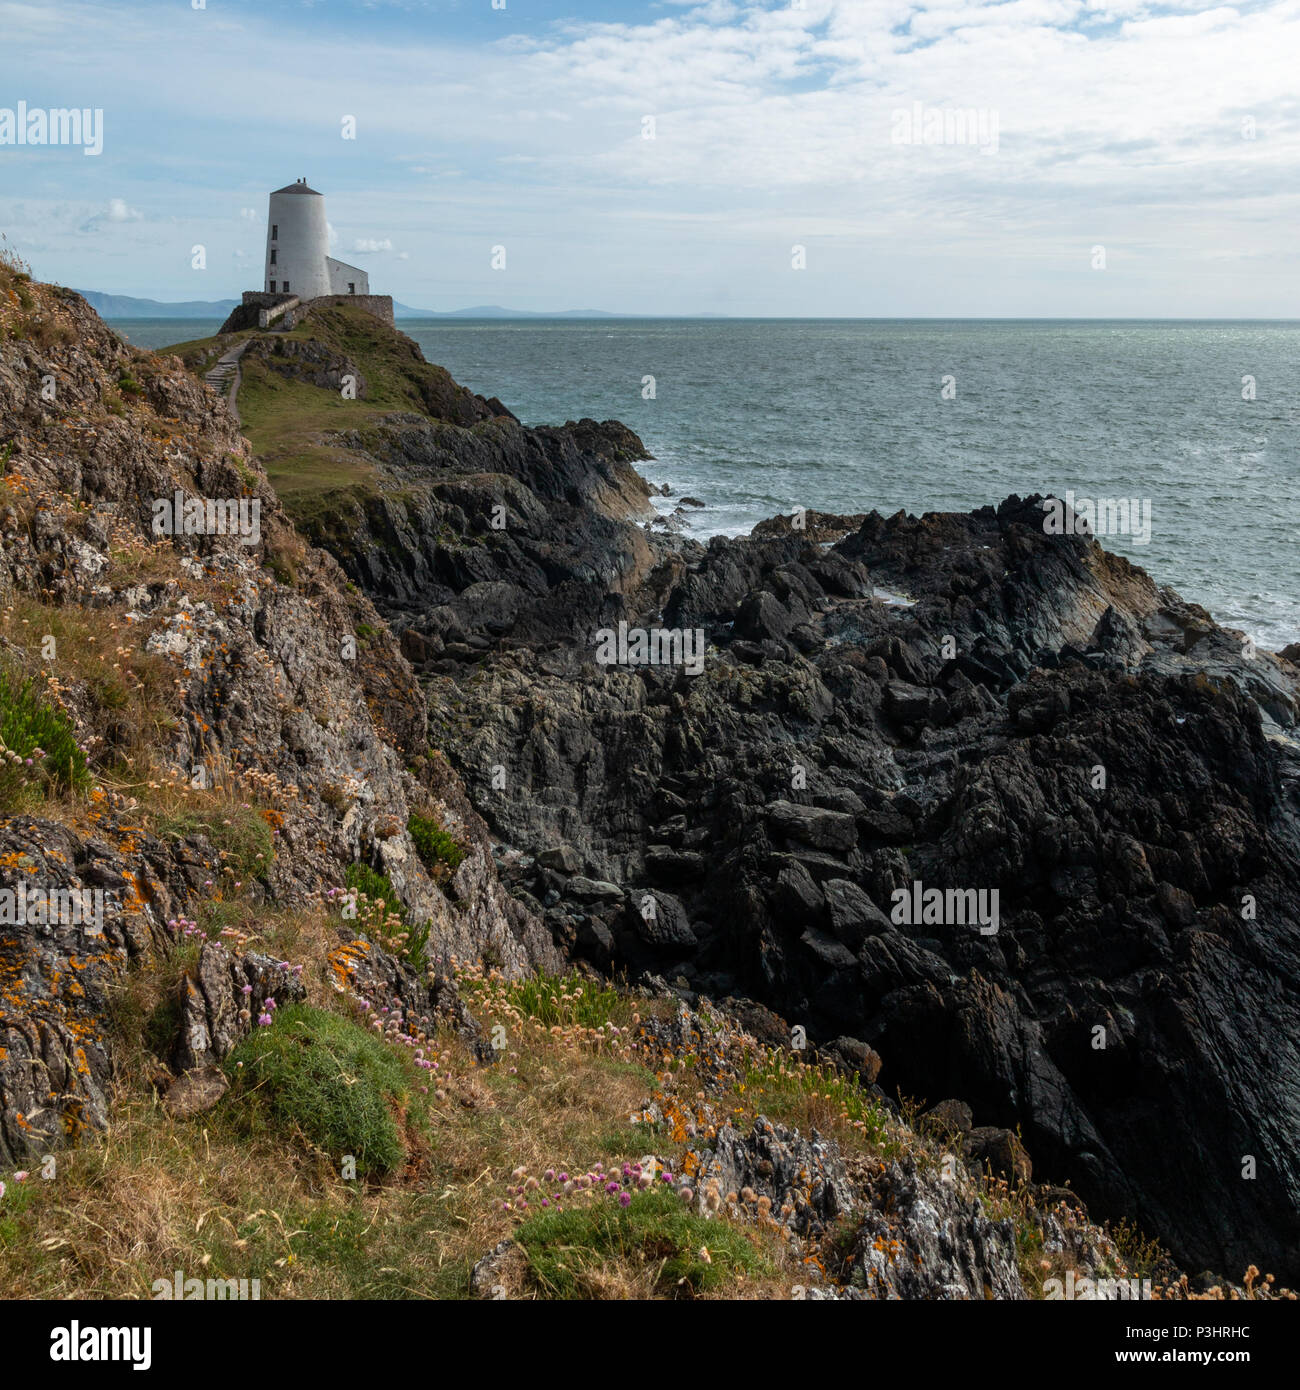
(1039, 718)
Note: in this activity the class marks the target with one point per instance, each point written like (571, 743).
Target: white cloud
(1119, 120)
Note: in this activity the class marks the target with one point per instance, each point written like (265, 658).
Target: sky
(1026, 158)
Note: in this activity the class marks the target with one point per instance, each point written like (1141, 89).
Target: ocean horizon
(1188, 418)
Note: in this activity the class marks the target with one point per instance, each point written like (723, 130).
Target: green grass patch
(243, 838)
(779, 1090)
(655, 1236)
(328, 1080)
(361, 878)
(18, 1197)
(565, 1000)
(396, 374)
(383, 915)
(285, 419)
(28, 724)
(282, 419)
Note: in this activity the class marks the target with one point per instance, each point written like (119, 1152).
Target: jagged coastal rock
(881, 706)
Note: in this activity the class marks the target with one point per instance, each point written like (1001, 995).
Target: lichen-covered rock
(717, 1047)
(924, 1235)
(222, 1001)
(387, 987)
(194, 1092)
(804, 1180)
(56, 976)
(485, 1277)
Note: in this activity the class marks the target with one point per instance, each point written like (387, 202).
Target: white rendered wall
(342, 275)
(302, 246)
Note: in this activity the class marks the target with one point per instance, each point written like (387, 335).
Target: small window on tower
(275, 231)
(273, 255)
(286, 287)
(272, 284)
(352, 287)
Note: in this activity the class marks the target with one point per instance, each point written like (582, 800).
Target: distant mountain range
(123, 306)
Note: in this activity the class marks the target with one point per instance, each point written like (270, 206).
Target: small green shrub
(381, 914)
(28, 725)
(656, 1229)
(361, 878)
(439, 852)
(332, 1082)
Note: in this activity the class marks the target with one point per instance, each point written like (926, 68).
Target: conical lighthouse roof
(298, 188)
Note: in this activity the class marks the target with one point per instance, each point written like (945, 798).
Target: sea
(1196, 423)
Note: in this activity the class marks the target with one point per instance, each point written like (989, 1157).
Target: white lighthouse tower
(297, 248)
(300, 272)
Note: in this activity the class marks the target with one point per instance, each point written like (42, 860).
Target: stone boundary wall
(260, 310)
(381, 305)
(257, 309)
